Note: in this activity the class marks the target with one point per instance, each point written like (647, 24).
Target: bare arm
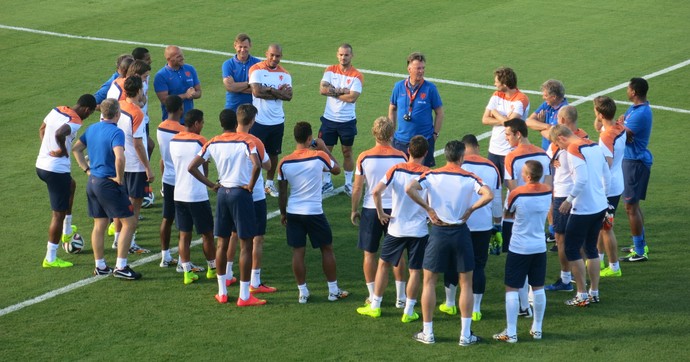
(511, 184)
(320, 145)
(537, 122)
(377, 192)
(412, 190)
(438, 124)
(193, 169)
(162, 96)
(393, 114)
(357, 188)
(486, 197)
(142, 154)
(489, 120)
(60, 137)
(78, 152)
(42, 130)
(119, 165)
(256, 171)
(236, 87)
(282, 200)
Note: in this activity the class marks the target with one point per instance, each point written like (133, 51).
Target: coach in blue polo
(176, 78)
(412, 103)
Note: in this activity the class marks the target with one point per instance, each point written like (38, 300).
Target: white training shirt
(591, 177)
(131, 122)
(518, 103)
(57, 117)
(482, 218)
(259, 192)
(407, 218)
(165, 132)
(184, 147)
(531, 204)
(270, 110)
(230, 152)
(450, 191)
(372, 164)
(302, 170)
(337, 110)
(612, 142)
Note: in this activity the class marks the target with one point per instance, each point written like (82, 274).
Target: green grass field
(590, 45)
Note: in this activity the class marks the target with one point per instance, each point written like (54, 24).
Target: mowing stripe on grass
(578, 99)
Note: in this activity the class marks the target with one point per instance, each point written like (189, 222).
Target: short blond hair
(383, 129)
(559, 130)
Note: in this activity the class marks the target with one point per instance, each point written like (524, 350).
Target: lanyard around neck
(412, 95)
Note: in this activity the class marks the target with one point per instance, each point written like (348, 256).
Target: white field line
(155, 256)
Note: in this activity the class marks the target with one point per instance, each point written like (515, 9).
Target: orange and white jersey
(531, 204)
(612, 141)
(450, 191)
(337, 110)
(184, 147)
(591, 177)
(515, 161)
(231, 152)
(562, 182)
(117, 89)
(407, 218)
(166, 131)
(57, 117)
(505, 105)
(372, 165)
(302, 170)
(259, 192)
(270, 110)
(482, 219)
(131, 122)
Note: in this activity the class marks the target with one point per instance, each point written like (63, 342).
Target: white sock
(409, 306)
(333, 287)
(222, 289)
(466, 327)
(121, 263)
(512, 310)
(165, 255)
(376, 302)
(211, 263)
(450, 295)
(187, 267)
(100, 263)
(348, 177)
(428, 328)
(594, 293)
(370, 287)
(566, 277)
(524, 296)
(583, 296)
(269, 183)
(67, 225)
(244, 290)
(539, 309)
(400, 290)
(477, 303)
(303, 289)
(255, 278)
(614, 266)
(601, 256)
(326, 177)
(51, 252)
(228, 270)
(117, 235)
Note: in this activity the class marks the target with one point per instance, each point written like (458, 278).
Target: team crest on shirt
(348, 81)
(423, 96)
(280, 77)
(187, 73)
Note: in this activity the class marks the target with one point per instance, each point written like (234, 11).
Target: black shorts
(582, 231)
(500, 163)
(316, 226)
(59, 188)
(520, 266)
(136, 184)
(235, 211)
(370, 230)
(449, 250)
(271, 136)
(614, 201)
(393, 247)
(168, 202)
(636, 179)
(107, 199)
(560, 220)
(330, 132)
(260, 217)
(194, 214)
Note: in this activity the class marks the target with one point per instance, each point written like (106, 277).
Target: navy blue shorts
(59, 188)
(260, 216)
(500, 163)
(449, 249)
(582, 231)
(168, 202)
(636, 179)
(560, 220)
(393, 247)
(194, 214)
(614, 201)
(520, 266)
(271, 136)
(330, 132)
(429, 160)
(136, 184)
(371, 230)
(316, 226)
(235, 211)
(105, 198)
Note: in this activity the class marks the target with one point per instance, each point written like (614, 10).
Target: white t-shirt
(270, 110)
(499, 101)
(407, 218)
(57, 117)
(183, 149)
(337, 110)
(302, 170)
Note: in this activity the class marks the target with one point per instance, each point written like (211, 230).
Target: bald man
(176, 78)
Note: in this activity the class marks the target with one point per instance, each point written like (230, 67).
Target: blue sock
(638, 240)
(551, 230)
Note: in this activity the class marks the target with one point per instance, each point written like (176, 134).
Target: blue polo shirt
(551, 118)
(176, 82)
(100, 138)
(422, 123)
(102, 92)
(239, 72)
(638, 119)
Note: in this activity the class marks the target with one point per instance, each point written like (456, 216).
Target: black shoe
(105, 271)
(554, 248)
(550, 238)
(126, 273)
